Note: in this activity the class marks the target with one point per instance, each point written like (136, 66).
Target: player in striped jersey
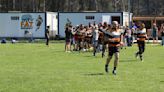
(141, 37)
(114, 42)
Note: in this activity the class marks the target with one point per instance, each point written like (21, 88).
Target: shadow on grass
(94, 74)
(89, 56)
(161, 67)
(128, 60)
(161, 81)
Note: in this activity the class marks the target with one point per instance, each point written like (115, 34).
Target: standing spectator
(162, 34)
(68, 39)
(128, 35)
(95, 39)
(155, 33)
(71, 37)
(134, 26)
(47, 35)
(133, 30)
(122, 29)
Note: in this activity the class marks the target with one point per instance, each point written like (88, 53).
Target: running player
(114, 42)
(141, 37)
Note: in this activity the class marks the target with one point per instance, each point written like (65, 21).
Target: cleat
(94, 54)
(106, 68)
(103, 55)
(136, 55)
(141, 58)
(114, 72)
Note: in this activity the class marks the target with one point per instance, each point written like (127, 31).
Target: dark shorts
(113, 50)
(141, 46)
(95, 43)
(68, 40)
(154, 34)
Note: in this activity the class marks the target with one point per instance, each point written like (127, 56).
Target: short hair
(143, 25)
(115, 23)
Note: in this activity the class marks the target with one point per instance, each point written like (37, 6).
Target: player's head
(142, 25)
(109, 26)
(115, 24)
(154, 25)
(105, 24)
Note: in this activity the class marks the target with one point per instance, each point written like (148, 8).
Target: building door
(106, 18)
(116, 18)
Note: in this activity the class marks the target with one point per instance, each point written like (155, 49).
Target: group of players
(103, 37)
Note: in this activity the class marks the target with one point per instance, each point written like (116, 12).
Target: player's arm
(146, 36)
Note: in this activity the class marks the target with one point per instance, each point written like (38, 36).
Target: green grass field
(33, 67)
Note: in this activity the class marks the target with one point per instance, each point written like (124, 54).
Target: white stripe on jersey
(142, 31)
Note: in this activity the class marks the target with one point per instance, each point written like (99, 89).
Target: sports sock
(114, 68)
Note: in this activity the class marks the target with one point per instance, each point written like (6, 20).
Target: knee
(143, 51)
(116, 58)
(109, 57)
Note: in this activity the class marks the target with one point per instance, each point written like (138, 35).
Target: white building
(77, 18)
(20, 25)
(52, 21)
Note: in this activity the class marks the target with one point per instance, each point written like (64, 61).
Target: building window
(116, 18)
(89, 17)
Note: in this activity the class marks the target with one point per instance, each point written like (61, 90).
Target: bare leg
(116, 61)
(69, 47)
(108, 60)
(107, 63)
(103, 50)
(153, 41)
(156, 40)
(66, 47)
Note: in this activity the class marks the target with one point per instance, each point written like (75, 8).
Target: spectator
(155, 33)
(47, 35)
(95, 39)
(162, 34)
(68, 39)
(128, 35)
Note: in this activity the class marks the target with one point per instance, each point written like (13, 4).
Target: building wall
(18, 24)
(80, 18)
